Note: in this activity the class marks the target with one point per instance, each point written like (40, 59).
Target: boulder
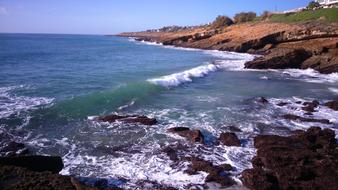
(215, 173)
(52, 164)
(229, 139)
(323, 63)
(303, 119)
(280, 58)
(310, 106)
(127, 119)
(191, 135)
(263, 100)
(304, 160)
(13, 148)
(332, 104)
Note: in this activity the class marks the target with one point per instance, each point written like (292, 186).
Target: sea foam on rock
(127, 119)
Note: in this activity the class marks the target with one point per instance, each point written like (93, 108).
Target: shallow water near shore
(52, 85)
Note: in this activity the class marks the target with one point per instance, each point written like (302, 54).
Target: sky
(115, 16)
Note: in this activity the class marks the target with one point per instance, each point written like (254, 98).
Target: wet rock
(13, 149)
(128, 119)
(229, 139)
(303, 119)
(324, 63)
(52, 164)
(304, 160)
(234, 128)
(281, 104)
(171, 153)
(332, 104)
(280, 58)
(191, 135)
(310, 106)
(17, 178)
(263, 100)
(151, 185)
(216, 173)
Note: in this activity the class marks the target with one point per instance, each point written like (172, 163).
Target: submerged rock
(305, 160)
(128, 119)
(191, 135)
(332, 104)
(229, 139)
(52, 164)
(215, 173)
(303, 119)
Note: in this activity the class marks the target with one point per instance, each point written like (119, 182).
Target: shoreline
(281, 46)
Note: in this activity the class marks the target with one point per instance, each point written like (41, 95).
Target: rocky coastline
(312, 44)
(302, 160)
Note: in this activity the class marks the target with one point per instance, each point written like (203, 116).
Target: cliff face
(275, 41)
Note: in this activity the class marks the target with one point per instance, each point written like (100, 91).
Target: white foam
(135, 167)
(11, 104)
(335, 90)
(131, 103)
(311, 75)
(185, 76)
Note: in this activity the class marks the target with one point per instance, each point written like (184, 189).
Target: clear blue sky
(113, 16)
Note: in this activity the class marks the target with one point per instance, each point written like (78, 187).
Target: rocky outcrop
(127, 119)
(13, 148)
(303, 119)
(18, 178)
(229, 139)
(305, 160)
(280, 59)
(215, 173)
(52, 164)
(192, 135)
(298, 45)
(332, 104)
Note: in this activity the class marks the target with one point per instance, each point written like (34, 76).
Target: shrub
(222, 21)
(265, 15)
(244, 17)
(313, 5)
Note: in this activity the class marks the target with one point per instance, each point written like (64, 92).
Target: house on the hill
(328, 3)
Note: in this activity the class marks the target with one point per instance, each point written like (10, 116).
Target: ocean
(51, 86)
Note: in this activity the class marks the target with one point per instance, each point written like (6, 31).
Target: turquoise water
(51, 85)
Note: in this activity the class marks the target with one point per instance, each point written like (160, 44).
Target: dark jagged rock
(17, 178)
(332, 104)
(128, 119)
(191, 135)
(229, 139)
(263, 100)
(13, 149)
(310, 106)
(151, 185)
(281, 104)
(234, 128)
(53, 164)
(216, 173)
(280, 58)
(303, 119)
(171, 153)
(305, 160)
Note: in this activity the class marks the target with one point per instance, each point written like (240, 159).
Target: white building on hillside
(328, 3)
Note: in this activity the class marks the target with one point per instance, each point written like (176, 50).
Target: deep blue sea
(52, 85)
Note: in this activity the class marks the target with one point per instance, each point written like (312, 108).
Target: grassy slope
(331, 15)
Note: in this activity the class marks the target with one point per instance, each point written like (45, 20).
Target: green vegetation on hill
(330, 15)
